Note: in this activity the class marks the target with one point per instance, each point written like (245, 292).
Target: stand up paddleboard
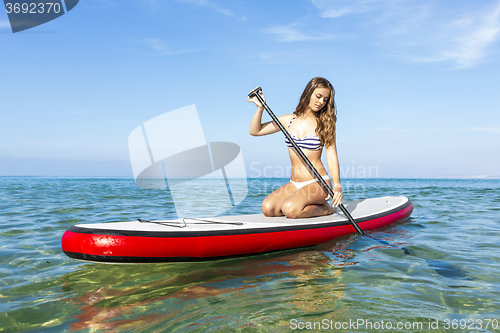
(187, 239)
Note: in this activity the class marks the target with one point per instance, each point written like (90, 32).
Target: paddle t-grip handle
(256, 92)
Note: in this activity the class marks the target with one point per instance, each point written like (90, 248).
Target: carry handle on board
(256, 92)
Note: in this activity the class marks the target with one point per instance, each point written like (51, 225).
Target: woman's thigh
(271, 206)
(312, 194)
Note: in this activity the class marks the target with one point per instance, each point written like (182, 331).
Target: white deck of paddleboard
(358, 208)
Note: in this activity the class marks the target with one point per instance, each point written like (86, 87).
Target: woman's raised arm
(257, 128)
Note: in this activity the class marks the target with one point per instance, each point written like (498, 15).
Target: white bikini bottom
(299, 185)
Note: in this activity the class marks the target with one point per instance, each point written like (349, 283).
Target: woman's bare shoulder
(285, 119)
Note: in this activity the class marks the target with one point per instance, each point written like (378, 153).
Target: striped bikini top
(311, 142)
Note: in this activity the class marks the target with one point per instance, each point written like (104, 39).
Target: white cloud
(407, 130)
(490, 130)
(285, 57)
(333, 9)
(161, 48)
(291, 33)
(156, 45)
(4, 24)
(214, 5)
(81, 111)
(420, 31)
(474, 38)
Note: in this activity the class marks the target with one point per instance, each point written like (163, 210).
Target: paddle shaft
(304, 158)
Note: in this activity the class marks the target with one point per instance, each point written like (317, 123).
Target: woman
(312, 127)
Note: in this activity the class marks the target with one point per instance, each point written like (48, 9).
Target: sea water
(439, 271)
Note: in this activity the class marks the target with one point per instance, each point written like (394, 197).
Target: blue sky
(416, 82)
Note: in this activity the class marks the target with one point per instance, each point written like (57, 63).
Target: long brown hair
(327, 116)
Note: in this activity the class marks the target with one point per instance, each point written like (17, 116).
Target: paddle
(256, 92)
(444, 269)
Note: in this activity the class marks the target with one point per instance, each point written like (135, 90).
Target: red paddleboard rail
(106, 245)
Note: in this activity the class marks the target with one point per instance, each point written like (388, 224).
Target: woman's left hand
(255, 100)
(338, 197)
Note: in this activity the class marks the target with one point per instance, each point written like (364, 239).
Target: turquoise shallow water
(449, 280)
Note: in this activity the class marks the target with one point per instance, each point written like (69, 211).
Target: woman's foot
(329, 209)
(312, 211)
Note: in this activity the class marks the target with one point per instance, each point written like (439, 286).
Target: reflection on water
(166, 295)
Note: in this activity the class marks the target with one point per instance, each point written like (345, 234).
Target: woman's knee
(269, 209)
(290, 210)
